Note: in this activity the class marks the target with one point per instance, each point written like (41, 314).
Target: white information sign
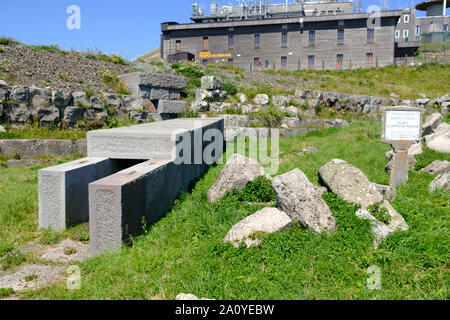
(402, 125)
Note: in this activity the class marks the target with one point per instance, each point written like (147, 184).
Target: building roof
(424, 5)
(271, 21)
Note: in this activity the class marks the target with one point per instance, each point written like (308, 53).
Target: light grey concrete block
(63, 191)
(121, 203)
(171, 106)
(157, 140)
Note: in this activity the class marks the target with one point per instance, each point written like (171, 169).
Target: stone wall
(22, 104)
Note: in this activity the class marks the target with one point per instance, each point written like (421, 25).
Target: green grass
(113, 80)
(39, 132)
(50, 48)
(406, 82)
(184, 251)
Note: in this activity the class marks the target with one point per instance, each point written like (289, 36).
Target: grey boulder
(266, 221)
(302, 201)
(437, 167)
(261, 99)
(236, 174)
(349, 183)
(432, 123)
(211, 83)
(442, 181)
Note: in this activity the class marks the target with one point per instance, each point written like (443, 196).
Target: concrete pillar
(122, 204)
(63, 191)
(400, 167)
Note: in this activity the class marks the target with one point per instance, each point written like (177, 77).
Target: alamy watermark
(374, 280)
(73, 22)
(73, 278)
(206, 146)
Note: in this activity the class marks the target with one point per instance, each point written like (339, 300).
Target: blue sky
(130, 28)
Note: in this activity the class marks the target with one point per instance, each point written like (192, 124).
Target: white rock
(437, 167)
(414, 150)
(261, 99)
(302, 201)
(242, 97)
(268, 220)
(442, 181)
(380, 231)
(292, 111)
(2, 129)
(432, 123)
(67, 251)
(440, 142)
(349, 183)
(236, 174)
(31, 277)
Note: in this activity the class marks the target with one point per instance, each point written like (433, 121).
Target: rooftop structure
(261, 9)
(434, 7)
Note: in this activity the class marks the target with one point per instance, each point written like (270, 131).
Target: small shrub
(1, 50)
(381, 214)
(5, 248)
(259, 190)
(12, 260)
(51, 237)
(5, 292)
(271, 116)
(8, 41)
(54, 48)
(112, 79)
(229, 88)
(188, 113)
(189, 70)
(63, 76)
(30, 278)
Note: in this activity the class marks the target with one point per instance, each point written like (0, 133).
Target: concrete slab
(122, 203)
(171, 106)
(63, 191)
(31, 277)
(157, 140)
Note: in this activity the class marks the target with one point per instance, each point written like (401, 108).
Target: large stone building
(315, 42)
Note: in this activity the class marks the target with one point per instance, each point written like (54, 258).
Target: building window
(312, 38)
(340, 36)
(405, 33)
(311, 62)
(397, 34)
(231, 61)
(205, 43)
(369, 59)
(257, 63)
(339, 61)
(284, 40)
(257, 40)
(417, 30)
(283, 62)
(370, 35)
(230, 42)
(406, 18)
(178, 45)
(445, 27)
(205, 62)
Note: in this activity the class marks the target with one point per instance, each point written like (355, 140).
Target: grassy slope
(184, 251)
(406, 82)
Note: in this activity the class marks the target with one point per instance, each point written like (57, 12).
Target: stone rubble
(265, 221)
(302, 201)
(236, 174)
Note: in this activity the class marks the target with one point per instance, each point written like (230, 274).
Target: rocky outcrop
(439, 140)
(250, 230)
(442, 181)
(236, 174)
(211, 83)
(302, 201)
(349, 183)
(437, 167)
(432, 123)
(20, 104)
(261, 99)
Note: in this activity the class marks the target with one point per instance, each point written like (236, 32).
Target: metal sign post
(402, 127)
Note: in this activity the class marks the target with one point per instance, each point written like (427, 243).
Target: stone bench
(132, 174)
